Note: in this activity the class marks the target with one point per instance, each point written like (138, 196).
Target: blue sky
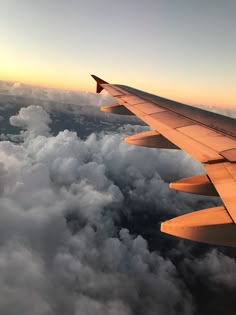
(184, 50)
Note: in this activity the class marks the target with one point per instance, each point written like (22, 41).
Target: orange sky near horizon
(176, 91)
(182, 51)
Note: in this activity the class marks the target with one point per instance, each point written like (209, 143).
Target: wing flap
(149, 108)
(172, 120)
(200, 152)
(213, 226)
(113, 91)
(131, 99)
(223, 176)
(230, 155)
(208, 137)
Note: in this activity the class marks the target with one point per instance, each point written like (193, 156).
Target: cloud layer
(59, 243)
(75, 97)
(79, 228)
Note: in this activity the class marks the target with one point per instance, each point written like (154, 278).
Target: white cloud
(61, 198)
(94, 267)
(50, 94)
(76, 97)
(34, 119)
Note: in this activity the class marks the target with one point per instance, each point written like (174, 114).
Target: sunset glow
(180, 51)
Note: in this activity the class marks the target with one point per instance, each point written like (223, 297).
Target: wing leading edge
(208, 137)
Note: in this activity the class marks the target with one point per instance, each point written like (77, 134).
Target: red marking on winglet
(99, 82)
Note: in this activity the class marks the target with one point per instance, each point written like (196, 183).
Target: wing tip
(99, 82)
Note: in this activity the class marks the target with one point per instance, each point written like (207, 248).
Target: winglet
(99, 82)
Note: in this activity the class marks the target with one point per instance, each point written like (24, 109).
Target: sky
(183, 50)
(80, 215)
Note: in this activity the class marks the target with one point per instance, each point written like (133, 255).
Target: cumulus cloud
(69, 229)
(34, 119)
(59, 206)
(218, 269)
(57, 229)
(51, 94)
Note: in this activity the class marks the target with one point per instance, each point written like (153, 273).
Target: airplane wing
(208, 137)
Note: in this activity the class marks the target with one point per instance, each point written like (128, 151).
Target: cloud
(72, 227)
(58, 229)
(218, 269)
(76, 97)
(84, 264)
(22, 279)
(34, 119)
(51, 94)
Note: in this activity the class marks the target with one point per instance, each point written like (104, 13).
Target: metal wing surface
(208, 137)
